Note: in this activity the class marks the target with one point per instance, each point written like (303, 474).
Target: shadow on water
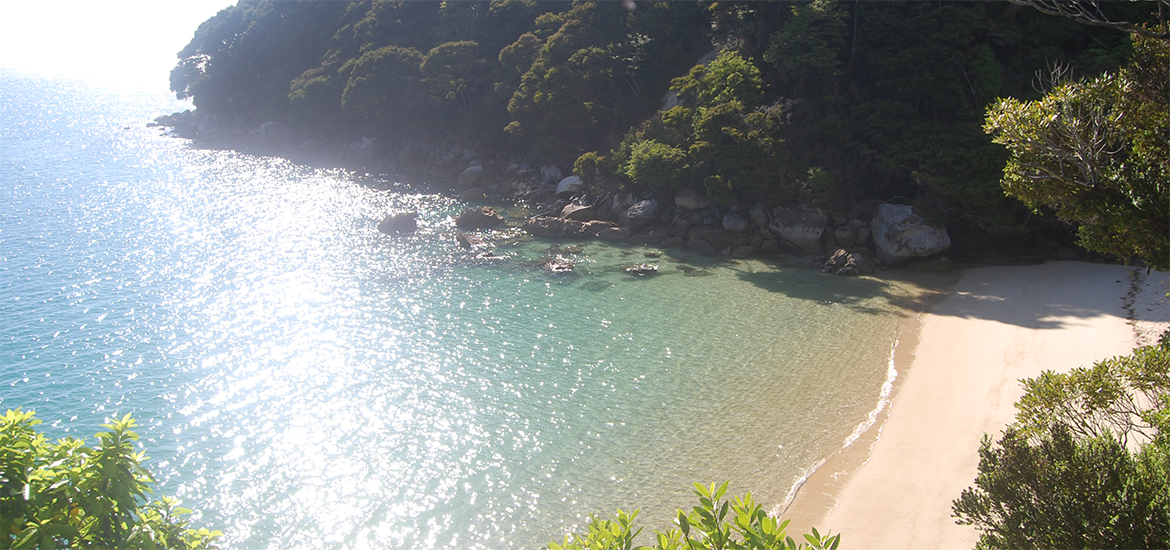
(903, 290)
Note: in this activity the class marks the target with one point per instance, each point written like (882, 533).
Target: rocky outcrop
(553, 227)
(484, 217)
(402, 222)
(843, 262)
(899, 234)
(579, 212)
(639, 215)
(799, 229)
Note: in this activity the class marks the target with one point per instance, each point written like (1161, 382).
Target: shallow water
(307, 382)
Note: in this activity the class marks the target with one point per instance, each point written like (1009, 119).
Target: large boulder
(469, 177)
(687, 199)
(484, 217)
(899, 234)
(570, 186)
(401, 222)
(639, 215)
(734, 223)
(799, 229)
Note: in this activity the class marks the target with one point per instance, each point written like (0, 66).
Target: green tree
(384, 88)
(708, 526)
(1098, 153)
(1063, 475)
(66, 494)
(809, 44)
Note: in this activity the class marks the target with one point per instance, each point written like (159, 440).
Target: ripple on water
(308, 382)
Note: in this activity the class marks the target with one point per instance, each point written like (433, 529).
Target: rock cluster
(691, 221)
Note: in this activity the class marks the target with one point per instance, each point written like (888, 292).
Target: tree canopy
(825, 102)
(1097, 151)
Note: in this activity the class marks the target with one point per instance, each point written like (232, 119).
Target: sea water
(304, 381)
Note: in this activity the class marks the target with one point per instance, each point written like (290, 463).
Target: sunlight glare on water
(307, 382)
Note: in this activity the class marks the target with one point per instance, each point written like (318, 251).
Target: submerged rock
(642, 269)
(484, 217)
(401, 222)
(843, 262)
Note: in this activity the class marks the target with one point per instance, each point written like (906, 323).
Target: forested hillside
(824, 103)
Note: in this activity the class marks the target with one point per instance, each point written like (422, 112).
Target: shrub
(66, 494)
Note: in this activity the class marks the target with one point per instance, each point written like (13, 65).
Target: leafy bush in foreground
(66, 494)
(1085, 465)
(707, 527)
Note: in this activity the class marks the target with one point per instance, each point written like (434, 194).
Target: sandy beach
(996, 326)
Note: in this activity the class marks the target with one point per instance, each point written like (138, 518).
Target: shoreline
(894, 486)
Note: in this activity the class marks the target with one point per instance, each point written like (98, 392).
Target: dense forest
(823, 103)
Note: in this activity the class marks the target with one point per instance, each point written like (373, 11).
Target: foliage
(809, 44)
(1064, 475)
(1096, 151)
(707, 527)
(68, 494)
(652, 164)
(879, 99)
(383, 86)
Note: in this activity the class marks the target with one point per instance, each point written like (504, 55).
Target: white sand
(998, 325)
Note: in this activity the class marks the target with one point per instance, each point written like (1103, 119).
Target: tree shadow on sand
(1042, 297)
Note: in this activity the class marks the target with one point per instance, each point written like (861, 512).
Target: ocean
(304, 381)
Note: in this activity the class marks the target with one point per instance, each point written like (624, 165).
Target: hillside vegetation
(823, 103)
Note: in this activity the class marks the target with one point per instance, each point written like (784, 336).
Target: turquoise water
(307, 382)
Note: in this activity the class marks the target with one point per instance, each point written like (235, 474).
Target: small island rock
(401, 222)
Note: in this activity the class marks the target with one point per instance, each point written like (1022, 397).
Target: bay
(307, 382)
